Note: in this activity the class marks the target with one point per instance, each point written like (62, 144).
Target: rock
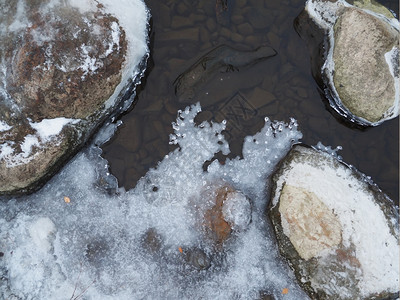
(360, 67)
(259, 19)
(230, 211)
(64, 69)
(222, 58)
(245, 29)
(321, 211)
(362, 76)
(197, 258)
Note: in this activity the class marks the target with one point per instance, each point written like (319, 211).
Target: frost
(392, 58)
(142, 243)
(237, 211)
(40, 232)
(50, 127)
(4, 126)
(29, 142)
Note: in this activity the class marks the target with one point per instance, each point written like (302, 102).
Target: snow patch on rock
(376, 249)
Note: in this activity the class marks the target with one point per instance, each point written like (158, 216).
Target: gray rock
(322, 212)
(359, 67)
(222, 58)
(362, 77)
(62, 75)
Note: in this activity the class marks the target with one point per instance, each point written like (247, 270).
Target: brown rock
(58, 71)
(220, 220)
(67, 73)
(214, 223)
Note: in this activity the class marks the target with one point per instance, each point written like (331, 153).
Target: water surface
(280, 87)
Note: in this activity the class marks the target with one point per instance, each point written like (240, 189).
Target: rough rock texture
(321, 212)
(59, 65)
(362, 77)
(354, 55)
(311, 229)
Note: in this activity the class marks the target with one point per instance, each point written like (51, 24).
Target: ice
(392, 58)
(94, 243)
(237, 211)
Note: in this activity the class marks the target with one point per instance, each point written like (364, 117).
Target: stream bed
(278, 87)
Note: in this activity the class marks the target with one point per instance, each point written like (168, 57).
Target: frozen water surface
(80, 234)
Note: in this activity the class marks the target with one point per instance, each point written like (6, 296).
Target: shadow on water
(278, 87)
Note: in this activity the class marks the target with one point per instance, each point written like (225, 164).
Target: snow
(376, 248)
(95, 241)
(50, 127)
(46, 131)
(40, 232)
(4, 126)
(20, 20)
(237, 211)
(29, 142)
(133, 17)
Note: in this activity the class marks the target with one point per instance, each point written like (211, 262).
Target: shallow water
(279, 87)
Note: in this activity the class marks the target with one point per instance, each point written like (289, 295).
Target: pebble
(245, 29)
(204, 35)
(182, 9)
(187, 34)
(259, 97)
(237, 19)
(181, 22)
(211, 25)
(237, 38)
(258, 18)
(240, 3)
(274, 39)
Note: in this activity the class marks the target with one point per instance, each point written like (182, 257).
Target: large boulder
(64, 67)
(359, 68)
(336, 229)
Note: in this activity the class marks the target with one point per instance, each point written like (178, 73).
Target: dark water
(280, 87)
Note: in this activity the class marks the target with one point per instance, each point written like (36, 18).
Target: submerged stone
(64, 68)
(359, 67)
(230, 211)
(321, 211)
(222, 58)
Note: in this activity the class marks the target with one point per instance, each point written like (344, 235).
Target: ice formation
(78, 235)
